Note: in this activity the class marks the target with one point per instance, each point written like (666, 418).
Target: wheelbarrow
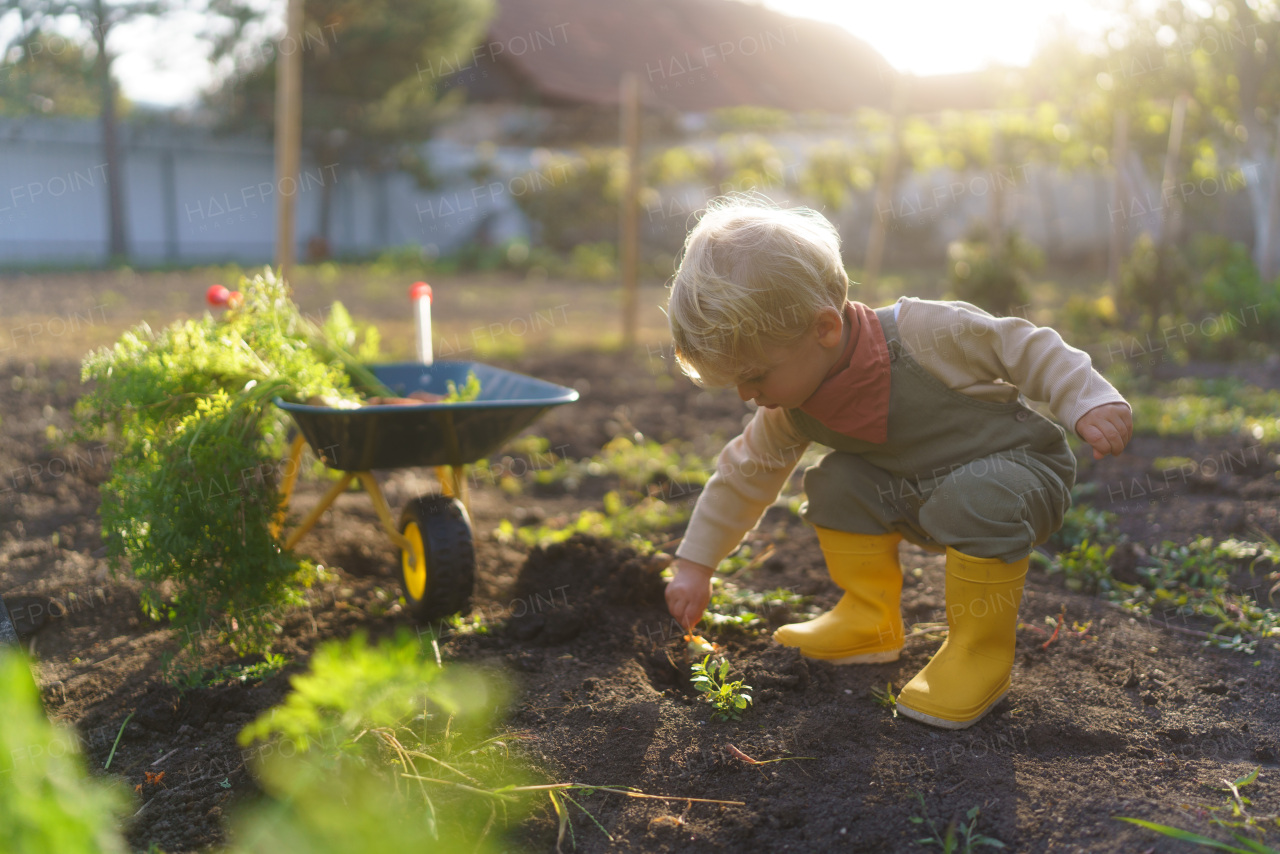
(437, 553)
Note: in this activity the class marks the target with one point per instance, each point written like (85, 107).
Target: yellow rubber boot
(970, 673)
(865, 626)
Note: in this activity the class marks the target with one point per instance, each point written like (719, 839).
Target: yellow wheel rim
(414, 565)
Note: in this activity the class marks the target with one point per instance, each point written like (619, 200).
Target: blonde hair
(751, 274)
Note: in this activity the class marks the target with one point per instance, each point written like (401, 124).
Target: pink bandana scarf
(854, 397)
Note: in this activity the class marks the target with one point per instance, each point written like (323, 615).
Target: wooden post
(1118, 208)
(997, 194)
(884, 189)
(629, 214)
(288, 136)
(1267, 253)
(1169, 182)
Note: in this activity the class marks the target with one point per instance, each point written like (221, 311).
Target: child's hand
(688, 592)
(1108, 428)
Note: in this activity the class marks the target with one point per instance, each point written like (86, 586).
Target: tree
(1219, 56)
(369, 77)
(50, 75)
(100, 18)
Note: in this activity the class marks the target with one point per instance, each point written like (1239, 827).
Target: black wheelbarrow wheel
(440, 576)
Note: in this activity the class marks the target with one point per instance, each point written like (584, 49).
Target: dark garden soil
(1114, 716)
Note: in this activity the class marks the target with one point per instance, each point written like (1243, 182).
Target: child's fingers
(1105, 437)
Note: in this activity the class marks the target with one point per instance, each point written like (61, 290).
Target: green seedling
(884, 698)
(958, 837)
(116, 743)
(728, 699)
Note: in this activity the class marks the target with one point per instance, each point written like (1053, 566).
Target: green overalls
(991, 480)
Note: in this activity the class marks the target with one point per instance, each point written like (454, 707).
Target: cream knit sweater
(972, 352)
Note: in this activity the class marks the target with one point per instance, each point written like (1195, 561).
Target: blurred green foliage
(384, 743)
(993, 277)
(47, 802)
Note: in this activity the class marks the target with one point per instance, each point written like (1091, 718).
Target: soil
(1113, 716)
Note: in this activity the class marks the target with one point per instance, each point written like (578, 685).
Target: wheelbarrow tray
(428, 434)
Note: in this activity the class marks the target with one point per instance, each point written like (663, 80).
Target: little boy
(924, 407)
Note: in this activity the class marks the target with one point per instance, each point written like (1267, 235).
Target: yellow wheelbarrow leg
(384, 513)
(339, 487)
(290, 480)
(453, 483)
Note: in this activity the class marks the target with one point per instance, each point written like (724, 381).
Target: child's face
(791, 374)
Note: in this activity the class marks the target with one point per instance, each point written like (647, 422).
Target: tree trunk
(117, 245)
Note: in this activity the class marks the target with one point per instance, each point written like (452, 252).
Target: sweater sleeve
(972, 351)
(750, 472)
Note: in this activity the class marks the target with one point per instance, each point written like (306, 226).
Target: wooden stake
(288, 137)
(1168, 183)
(1267, 252)
(884, 189)
(1119, 151)
(629, 214)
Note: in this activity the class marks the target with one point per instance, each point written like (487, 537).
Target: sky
(164, 64)
(944, 36)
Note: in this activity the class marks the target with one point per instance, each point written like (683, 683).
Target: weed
(1239, 819)
(1086, 567)
(200, 676)
(734, 608)
(884, 698)
(471, 625)
(1195, 580)
(1083, 522)
(1177, 581)
(648, 476)
(1203, 408)
(729, 699)
(617, 521)
(958, 837)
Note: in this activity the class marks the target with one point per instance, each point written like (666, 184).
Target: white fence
(192, 196)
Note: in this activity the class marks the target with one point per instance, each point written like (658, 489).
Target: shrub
(1231, 290)
(994, 278)
(192, 496)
